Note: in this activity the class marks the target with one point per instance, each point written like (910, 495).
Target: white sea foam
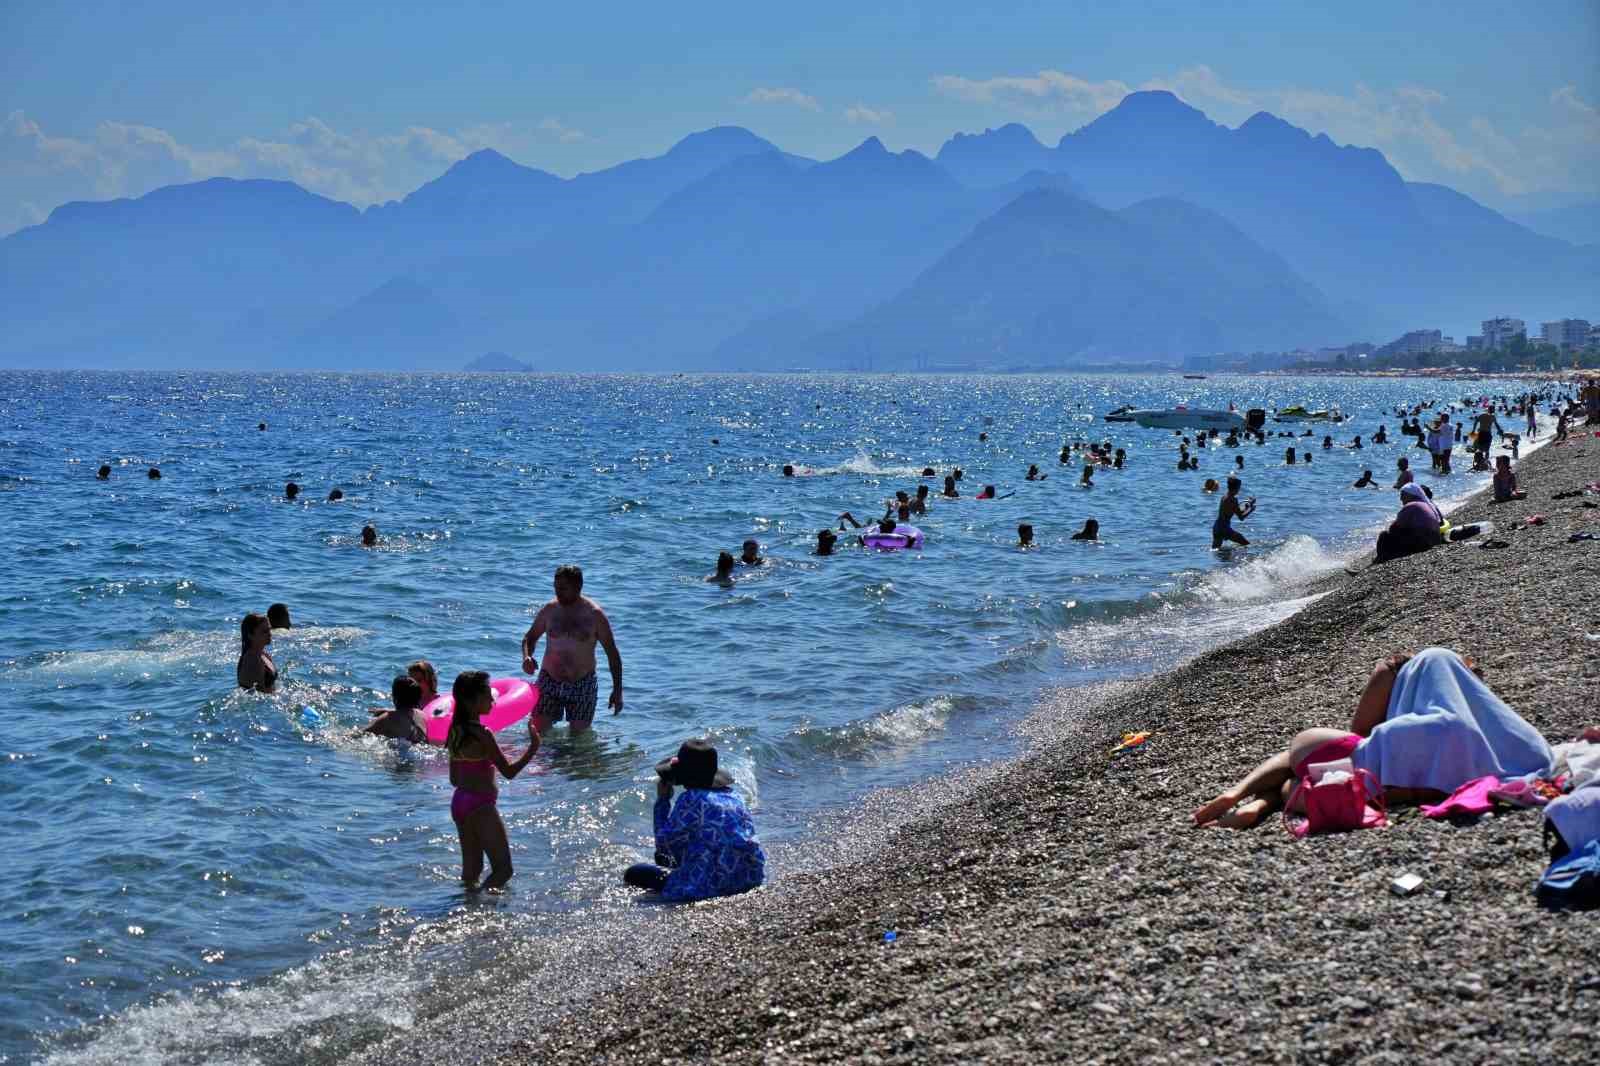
(864, 464)
(1293, 564)
(221, 1025)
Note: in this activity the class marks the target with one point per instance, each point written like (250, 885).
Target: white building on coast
(1566, 333)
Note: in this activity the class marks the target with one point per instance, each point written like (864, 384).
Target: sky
(365, 103)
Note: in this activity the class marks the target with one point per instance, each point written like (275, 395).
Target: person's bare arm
(530, 640)
(511, 769)
(1372, 708)
(613, 658)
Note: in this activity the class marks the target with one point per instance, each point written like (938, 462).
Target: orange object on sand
(1131, 740)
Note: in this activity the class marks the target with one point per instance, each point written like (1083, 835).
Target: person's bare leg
(471, 853)
(1264, 778)
(492, 831)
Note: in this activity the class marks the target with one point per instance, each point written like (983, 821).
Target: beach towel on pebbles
(1576, 816)
(1445, 728)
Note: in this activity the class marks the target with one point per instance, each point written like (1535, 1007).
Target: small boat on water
(1299, 413)
(1122, 414)
(1183, 416)
(1195, 377)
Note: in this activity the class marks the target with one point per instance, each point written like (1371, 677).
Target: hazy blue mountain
(170, 272)
(497, 363)
(394, 325)
(1578, 223)
(995, 156)
(1053, 279)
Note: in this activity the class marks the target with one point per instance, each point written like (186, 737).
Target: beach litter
(1405, 884)
(890, 937)
(1132, 740)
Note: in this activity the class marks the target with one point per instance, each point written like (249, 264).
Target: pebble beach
(1060, 908)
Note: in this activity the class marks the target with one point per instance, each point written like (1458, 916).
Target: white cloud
(129, 159)
(1065, 91)
(869, 116)
(793, 97)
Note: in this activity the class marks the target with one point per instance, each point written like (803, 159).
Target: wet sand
(1060, 908)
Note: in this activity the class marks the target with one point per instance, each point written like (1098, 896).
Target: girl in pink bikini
(474, 758)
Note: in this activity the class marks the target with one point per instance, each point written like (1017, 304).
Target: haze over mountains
(1151, 233)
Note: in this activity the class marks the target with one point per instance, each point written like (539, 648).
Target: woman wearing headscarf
(1415, 529)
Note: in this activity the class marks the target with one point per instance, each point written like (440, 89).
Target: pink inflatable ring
(514, 700)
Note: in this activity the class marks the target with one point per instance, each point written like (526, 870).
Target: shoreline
(1059, 907)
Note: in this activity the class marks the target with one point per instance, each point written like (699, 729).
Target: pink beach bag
(1338, 798)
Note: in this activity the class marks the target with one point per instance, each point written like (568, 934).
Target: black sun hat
(695, 766)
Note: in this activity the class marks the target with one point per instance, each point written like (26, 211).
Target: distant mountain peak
(869, 147)
(1266, 123)
(721, 139)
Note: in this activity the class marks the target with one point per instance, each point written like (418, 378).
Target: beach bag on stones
(1573, 880)
(1336, 801)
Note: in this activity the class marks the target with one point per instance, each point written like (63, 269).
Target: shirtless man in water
(573, 624)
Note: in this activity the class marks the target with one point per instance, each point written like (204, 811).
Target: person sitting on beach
(1024, 535)
(750, 553)
(474, 758)
(404, 722)
(1227, 510)
(1423, 726)
(1415, 529)
(369, 536)
(104, 473)
(1561, 426)
(1480, 462)
(1505, 482)
(256, 671)
(706, 842)
(724, 572)
(950, 492)
(1090, 530)
(278, 615)
(825, 541)
(1406, 477)
(1365, 481)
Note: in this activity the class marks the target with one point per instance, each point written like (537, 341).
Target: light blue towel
(1445, 728)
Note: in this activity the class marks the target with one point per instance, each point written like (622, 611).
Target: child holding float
(475, 756)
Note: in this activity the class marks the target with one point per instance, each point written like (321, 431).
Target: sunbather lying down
(1424, 725)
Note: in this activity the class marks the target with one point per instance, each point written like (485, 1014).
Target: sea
(199, 874)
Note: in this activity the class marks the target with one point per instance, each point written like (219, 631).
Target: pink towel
(1470, 798)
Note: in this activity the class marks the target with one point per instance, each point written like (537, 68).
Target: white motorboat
(1185, 417)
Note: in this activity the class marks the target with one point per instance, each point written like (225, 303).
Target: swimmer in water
(950, 488)
(927, 471)
(1033, 473)
(404, 722)
(1090, 530)
(751, 553)
(825, 541)
(104, 473)
(474, 758)
(1288, 456)
(1210, 485)
(369, 536)
(278, 615)
(987, 493)
(154, 474)
(1024, 536)
(1120, 457)
(256, 671)
(1227, 510)
(788, 470)
(336, 495)
(423, 673)
(290, 491)
(1365, 481)
(1087, 481)
(1238, 462)
(724, 574)
(919, 502)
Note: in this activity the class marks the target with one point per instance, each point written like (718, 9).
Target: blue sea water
(193, 873)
